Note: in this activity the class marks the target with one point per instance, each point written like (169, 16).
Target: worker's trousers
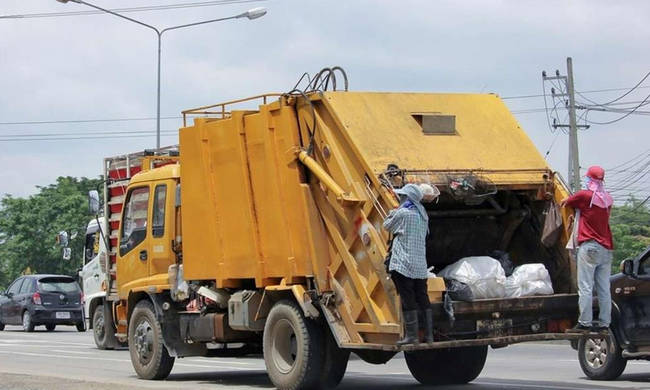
(412, 292)
(594, 269)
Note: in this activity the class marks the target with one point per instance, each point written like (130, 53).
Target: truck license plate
(63, 315)
(495, 328)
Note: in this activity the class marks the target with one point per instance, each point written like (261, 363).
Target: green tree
(630, 225)
(28, 227)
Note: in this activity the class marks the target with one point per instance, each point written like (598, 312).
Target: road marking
(205, 360)
(520, 385)
(17, 341)
(77, 352)
(122, 360)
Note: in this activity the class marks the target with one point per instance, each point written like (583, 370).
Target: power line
(623, 116)
(130, 9)
(590, 91)
(623, 95)
(83, 138)
(88, 120)
(85, 132)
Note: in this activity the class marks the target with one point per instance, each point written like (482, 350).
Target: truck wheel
(601, 359)
(293, 348)
(28, 325)
(100, 333)
(149, 356)
(50, 327)
(373, 356)
(448, 366)
(335, 362)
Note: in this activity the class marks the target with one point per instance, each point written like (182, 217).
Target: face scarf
(600, 197)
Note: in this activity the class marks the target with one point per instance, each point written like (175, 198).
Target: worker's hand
(563, 202)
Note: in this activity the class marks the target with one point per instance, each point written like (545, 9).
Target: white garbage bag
(528, 280)
(484, 276)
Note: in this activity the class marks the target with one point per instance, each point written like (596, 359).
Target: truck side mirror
(93, 202)
(628, 267)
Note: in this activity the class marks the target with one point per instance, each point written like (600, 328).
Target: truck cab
(93, 272)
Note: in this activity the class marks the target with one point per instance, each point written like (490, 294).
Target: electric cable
(130, 9)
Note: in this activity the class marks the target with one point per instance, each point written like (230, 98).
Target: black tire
(103, 330)
(28, 324)
(450, 366)
(335, 362)
(50, 327)
(600, 359)
(374, 356)
(81, 326)
(2, 326)
(292, 347)
(149, 356)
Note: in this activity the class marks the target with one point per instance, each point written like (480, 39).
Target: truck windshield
(58, 285)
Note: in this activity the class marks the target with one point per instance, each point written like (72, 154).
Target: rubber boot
(428, 328)
(410, 328)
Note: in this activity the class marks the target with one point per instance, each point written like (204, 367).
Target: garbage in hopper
(483, 274)
(528, 280)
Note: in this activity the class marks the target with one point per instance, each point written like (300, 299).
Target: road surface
(68, 360)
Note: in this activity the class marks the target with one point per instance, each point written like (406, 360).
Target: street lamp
(251, 14)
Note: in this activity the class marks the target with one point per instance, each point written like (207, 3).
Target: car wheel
(601, 359)
(81, 326)
(149, 355)
(2, 326)
(293, 348)
(50, 327)
(28, 324)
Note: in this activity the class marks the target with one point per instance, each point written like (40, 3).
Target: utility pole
(574, 161)
(569, 103)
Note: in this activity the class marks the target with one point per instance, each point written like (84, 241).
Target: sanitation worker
(594, 256)
(409, 224)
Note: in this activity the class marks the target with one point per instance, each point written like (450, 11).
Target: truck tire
(449, 366)
(103, 332)
(335, 362)
(373, 356)
(28, 324)
(292, 348)
(600, 359)
(149, 355)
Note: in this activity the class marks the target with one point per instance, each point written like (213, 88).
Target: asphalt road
(68, 360)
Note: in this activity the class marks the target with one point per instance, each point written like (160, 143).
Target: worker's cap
(411, 191)
(429, 192)
(596, 172)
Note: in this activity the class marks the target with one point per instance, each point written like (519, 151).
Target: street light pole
(250, 14)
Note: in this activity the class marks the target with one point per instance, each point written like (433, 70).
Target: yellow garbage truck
(263, 233)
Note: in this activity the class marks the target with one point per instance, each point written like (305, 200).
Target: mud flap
(170, 325)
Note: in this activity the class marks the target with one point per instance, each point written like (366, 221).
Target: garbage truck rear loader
(266, 235)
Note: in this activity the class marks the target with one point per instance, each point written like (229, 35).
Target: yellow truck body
(285, 203)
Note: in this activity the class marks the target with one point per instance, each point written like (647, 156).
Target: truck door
(91, 274)
(162, 224)
(134, 251)
(634, 300)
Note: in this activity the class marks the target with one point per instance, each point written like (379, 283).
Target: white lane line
(217, 360)
(18, 341)
(77, 352)
(522, 385)
(119, 360)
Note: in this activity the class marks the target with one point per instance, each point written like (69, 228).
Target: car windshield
(58, 285)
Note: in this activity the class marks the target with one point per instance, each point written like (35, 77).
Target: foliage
(630, 225)
(28, 227)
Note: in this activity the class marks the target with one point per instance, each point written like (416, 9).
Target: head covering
(596, 172)
(600, 197)
(414, 194)
(429, 192)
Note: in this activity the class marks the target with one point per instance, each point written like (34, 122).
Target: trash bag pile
(484, 277)
(527, 280)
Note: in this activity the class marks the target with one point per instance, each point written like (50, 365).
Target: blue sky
(100, 67)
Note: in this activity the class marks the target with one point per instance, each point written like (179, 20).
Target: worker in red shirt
(594, 256)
